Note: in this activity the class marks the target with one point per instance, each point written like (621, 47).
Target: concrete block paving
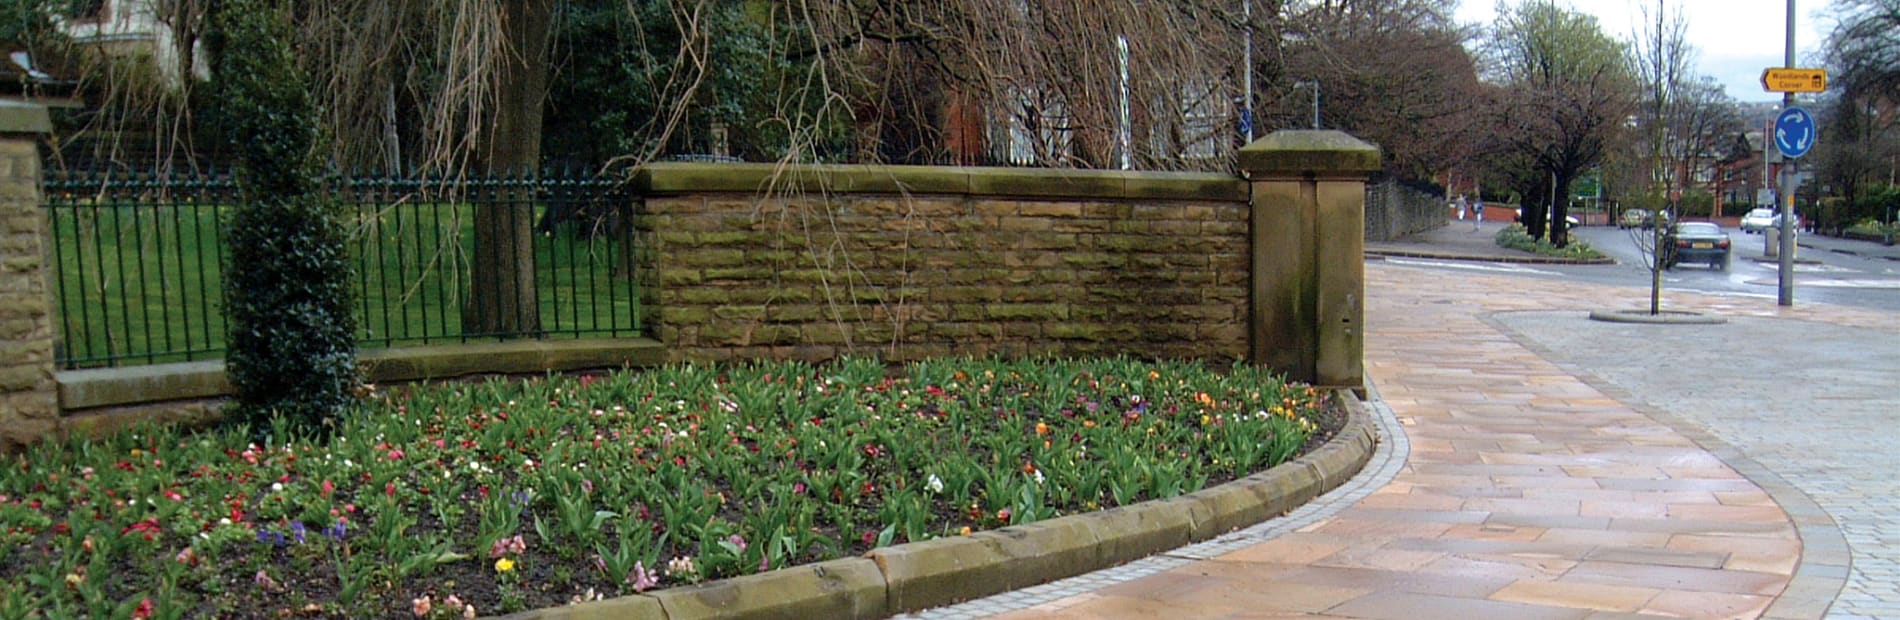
(1510, 483)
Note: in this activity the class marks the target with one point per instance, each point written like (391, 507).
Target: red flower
(144, 609)
(149, 528)
(395, 454)
(328, 488)
(390, 489)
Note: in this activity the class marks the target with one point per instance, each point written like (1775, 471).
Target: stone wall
(28, 401)
(1394, 211)
(926, 262)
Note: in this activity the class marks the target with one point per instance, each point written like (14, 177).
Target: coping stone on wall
(1310, 151)
(670, 178)
(108, 387)
(19, 117)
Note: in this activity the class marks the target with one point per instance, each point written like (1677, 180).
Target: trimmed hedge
(287, 294)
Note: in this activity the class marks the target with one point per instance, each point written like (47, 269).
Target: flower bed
(441, 501)
(1517, 238)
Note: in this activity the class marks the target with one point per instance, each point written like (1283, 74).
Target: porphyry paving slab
(1528, 491)
(1812, 402)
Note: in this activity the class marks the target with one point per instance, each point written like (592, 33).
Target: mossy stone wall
(741, 261)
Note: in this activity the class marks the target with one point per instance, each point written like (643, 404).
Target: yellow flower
(964, 532)
(504, 565)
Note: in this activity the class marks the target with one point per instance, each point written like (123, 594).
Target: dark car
(1695, 242)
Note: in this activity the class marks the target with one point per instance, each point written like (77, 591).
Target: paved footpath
(1535, 464)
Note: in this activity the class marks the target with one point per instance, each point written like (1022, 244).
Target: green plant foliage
(623, 68)
(26, 22)
(512, 494)
(287, 294)
(1516, 238)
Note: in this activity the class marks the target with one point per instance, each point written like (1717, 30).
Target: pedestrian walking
(1477, 210)
(1460, 206)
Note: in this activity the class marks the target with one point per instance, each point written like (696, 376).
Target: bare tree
(1395, 72)
(1861, 109)
(1682, 115)
(1566, 92)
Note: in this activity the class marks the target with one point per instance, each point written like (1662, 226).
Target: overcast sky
(1735, 39)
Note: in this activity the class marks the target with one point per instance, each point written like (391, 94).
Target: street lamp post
(1247, 67)
(1313, 84)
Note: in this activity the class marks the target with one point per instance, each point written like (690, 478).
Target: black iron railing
(138, 261)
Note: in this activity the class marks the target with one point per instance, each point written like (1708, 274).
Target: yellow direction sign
(1789, 80)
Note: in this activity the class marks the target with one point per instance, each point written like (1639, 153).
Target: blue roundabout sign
(1795, 132)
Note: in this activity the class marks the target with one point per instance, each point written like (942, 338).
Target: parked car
(1758, 219)
(1632, 218)
(1641, 218)
(1695, 242)
(1664, 217)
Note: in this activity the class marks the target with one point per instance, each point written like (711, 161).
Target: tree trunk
(1560, 209)
(501, 283)
(1534, 209)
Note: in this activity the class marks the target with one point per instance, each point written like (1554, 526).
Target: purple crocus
(297, 531)
(274, 538)
(336, 532)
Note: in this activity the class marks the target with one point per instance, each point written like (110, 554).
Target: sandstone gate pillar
(1307, 249)
(29, 401)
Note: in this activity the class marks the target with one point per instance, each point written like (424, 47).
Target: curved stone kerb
(941, 571)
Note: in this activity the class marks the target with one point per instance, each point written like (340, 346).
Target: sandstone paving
(1531, 483)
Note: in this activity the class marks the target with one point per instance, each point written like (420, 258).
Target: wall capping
(18, 117)
(673, 178)
(156, 383)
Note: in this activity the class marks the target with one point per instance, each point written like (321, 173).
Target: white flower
(935, 484)
(682, 565)
(1038, 476)
(277, 487)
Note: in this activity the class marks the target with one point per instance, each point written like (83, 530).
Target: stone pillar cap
(1316, 151)
(23, 117)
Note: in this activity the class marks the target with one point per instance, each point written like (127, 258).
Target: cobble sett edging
(921, 575)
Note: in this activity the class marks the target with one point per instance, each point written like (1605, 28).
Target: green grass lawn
(142, 284)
